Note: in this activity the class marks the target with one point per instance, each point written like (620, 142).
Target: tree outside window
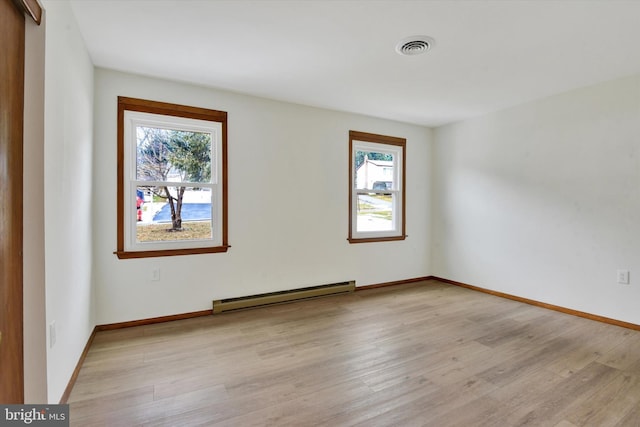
(174, 159)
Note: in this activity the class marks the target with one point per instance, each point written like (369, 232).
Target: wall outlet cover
(623, 277)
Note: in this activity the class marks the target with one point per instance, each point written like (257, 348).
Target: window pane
(158, 222)
(374, 170)
(374, 212)
(172, 155)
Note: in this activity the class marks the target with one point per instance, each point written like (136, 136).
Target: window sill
(169, 252)
(375, 239)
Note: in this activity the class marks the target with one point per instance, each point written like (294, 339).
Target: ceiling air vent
(414, 45)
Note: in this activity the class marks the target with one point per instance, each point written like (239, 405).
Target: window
(376, 187)
(172, 187)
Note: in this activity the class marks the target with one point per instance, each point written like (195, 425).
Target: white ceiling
(340, 54)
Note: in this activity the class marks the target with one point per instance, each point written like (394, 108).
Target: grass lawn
(196, 230)
(365, 208)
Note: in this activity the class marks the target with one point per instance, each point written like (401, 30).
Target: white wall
(35, 350)
(68, 186)
(288, 205)
(543, 200)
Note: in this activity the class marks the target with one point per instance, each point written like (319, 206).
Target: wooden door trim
(12, 28)
(31, 8)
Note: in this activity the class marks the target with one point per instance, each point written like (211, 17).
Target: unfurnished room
(320, 212)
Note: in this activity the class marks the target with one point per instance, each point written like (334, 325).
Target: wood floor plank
(554, 405)
(424, 354)
(433, 407)
(518, 394)
(372, 406)
(631, 419)
(625, 355)
(610, 404)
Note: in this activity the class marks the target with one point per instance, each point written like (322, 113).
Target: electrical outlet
(52, 334)
(623, 277)
(155, 275)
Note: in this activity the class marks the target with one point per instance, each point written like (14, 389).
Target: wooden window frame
(173, 110)
(385, 140)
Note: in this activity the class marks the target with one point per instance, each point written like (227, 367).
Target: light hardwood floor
(429, 354)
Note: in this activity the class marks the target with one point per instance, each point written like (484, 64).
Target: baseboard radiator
(283, 296)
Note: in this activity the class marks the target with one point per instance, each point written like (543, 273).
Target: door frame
(12, 68)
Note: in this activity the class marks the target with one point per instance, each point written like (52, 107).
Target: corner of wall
(68, 177)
